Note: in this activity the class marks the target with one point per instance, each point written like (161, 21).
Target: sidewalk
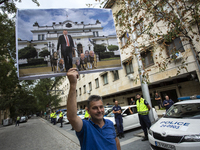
(63, 132)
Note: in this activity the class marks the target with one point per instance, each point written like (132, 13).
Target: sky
(55, 11)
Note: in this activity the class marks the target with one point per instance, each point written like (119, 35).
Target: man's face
(96, 110)
(65, 32)
(138, 96)
(167, 97)
(82, 56)
(116, 103)
(131, 99)
(91, 53)
(156, 94)
(86, 53)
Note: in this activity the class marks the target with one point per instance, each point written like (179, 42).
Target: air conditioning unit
(130, 77)
(177, 55)
(88, 91)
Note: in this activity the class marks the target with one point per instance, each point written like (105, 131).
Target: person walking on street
(96, 133)
(167, 103)
(158, 100)
(87, 115)
(143, 111)
(54, 117)
(61, 119)
(17, 121)
(118, 119)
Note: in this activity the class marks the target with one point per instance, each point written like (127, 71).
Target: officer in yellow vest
(61, 118)
(87, 115)
(17, 121)
(51, 116)
(54, 117)
(143, 111)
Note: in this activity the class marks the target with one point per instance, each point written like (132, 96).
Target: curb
(63, 132)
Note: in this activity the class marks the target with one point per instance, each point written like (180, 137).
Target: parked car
(23, 119)
(81, 113)
(107, 111)
(130, 121)
(179, 128)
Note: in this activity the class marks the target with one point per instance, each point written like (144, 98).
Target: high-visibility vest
(61, 114)
(87, 115)
(141, 107)
(18, 118)
(51, 115)
(54, 115)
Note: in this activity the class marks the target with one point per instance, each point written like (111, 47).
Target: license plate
(167, 146)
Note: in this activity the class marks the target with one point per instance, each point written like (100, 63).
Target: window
(124, 40)
(79, 91)
(139, 27)
(115, 74)
(84, 89)
(90, 86)
(129, 67)
(97, 33)
(76, 93)
(147, 58)
(175, 46)
(97, 82)
(78, 39)
(40, 37)
(119, 18)
(105, 78)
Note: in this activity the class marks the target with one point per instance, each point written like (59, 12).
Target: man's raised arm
(74, 120)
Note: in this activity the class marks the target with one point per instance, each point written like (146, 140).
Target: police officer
(17, 121)
(118, 119)
(87, 115)
(51, 116)
(61, 118)
(143, 110)
(54, 117)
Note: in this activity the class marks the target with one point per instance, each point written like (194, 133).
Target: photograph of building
(86, 27)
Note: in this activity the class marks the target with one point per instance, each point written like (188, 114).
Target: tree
(159, 21)
(44, 53)
(98, 49)
(27, 53)
(8, 74)
(113, 47)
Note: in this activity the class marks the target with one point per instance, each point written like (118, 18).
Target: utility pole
(144, 85)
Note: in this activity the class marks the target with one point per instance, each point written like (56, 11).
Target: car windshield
(191, 111)
(111, 114)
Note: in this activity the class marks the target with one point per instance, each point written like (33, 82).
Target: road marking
(130, 141)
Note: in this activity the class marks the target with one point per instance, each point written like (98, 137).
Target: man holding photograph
(67, 46)
(97, 132)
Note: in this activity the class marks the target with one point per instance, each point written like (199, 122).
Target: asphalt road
(40, 134)
(35, 134)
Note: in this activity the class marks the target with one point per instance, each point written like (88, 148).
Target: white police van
(179, 129)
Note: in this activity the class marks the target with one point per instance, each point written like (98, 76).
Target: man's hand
(72, 75)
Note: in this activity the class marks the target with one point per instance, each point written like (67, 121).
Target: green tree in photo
(113, 47)
(27, 53)
(44, 53)
(98, 49)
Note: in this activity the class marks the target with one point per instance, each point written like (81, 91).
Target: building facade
(121, 85)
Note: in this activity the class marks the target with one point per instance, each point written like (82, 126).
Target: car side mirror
(124, 115)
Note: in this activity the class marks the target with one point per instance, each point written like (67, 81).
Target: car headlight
(191, 138)
(150, 132)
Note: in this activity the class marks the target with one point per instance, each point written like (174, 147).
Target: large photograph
(51, 41)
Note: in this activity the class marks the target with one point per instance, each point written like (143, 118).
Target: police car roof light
(189, 97)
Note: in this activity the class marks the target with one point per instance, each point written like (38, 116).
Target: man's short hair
(138, 94)
(93, 98)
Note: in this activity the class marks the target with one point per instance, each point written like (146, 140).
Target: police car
(179, 128)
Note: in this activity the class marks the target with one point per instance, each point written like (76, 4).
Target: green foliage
(99, 48)
(44, 53)
(27, 53)
(113, 47)
(10, 86)
(107, 55)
